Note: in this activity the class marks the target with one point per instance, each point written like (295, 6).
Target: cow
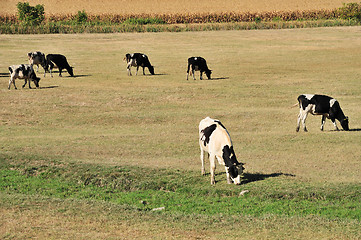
(320, 105)
(216, 141)
(138, 60)
(57, 61)
(23, 71)
(198, 64)
(36, 58)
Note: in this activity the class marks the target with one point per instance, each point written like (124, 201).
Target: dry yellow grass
(168, 6)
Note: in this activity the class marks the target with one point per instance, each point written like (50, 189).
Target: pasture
(92, 128)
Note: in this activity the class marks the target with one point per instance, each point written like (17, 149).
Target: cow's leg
(302, 116)
(136, 73)
(298, 122)
(26, 82)
(60, 69)
(212, 161)
(11, 81)
(188, 71)
(334, 123)
(229, 181)
(194, 77)
(323, 121)
(143, 71)
(128, 69)
(200, 76)
(51, 71)
(203, 171)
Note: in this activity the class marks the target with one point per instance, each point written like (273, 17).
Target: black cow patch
(229, 156)
(220, 124)
(207, 132)
(230, 160)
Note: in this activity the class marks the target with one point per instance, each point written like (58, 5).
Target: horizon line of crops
(33, 20)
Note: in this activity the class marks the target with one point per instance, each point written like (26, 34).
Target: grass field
(167, 6)
(89, 157)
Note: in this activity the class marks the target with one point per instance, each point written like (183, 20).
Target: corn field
(184, 18)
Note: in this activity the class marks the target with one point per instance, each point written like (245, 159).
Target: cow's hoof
(297, 129)
(305, 129)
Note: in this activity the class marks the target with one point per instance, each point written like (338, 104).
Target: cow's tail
(296, 104)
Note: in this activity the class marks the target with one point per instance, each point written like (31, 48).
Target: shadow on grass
(4, 74)
(218, 78)
(355, 130)
(49, 87)
(254, 177)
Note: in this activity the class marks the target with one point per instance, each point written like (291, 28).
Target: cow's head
(70, 71)
(235, 172)
(208, 73)
(151, 70)
(35, 79)
(344, 124)
(234, 168)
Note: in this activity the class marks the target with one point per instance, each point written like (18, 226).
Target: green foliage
(29, 14)
(81, 17)
(350, 11)
(143, 21)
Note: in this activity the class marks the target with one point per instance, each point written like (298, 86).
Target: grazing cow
(57, 61)
(214, 139)
(198, 64)
(23, 71)
(320, 105)
(36, 58)
(138, 60)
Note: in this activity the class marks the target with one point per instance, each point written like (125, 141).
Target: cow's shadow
(355, 130)
(254, 177)
(49, 87)
(218, 78)
(4, 74)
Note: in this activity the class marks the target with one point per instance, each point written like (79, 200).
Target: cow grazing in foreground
(320, 105)
(198, 64)
(23, 71)
(215, 140)
(57, 61)
(36, 58)
(138, 60)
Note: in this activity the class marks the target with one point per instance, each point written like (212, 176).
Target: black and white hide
(215, 140)
(138, 60)
(37, 58)
(323, 105)
(23, 71)
(57, 61)
(198, 64)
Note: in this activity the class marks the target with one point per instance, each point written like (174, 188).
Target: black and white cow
(320, 105)
(138, 60)
(36, 58)
(198, 64)
(57, 61)
(23, 71)
(216, 141)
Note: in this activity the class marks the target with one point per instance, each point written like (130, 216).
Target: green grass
(183, 193)
(91, 156)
